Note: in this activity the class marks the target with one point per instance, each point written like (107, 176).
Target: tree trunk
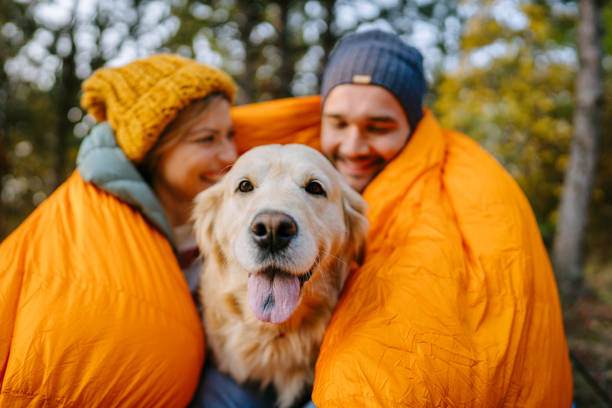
(569, 242)
(4, 169)
(5, 144)
(329, 38)
(67, 89)
(287, 60)
(250, 12)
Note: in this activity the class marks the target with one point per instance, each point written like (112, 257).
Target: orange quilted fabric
(456, 303)
(94, 309)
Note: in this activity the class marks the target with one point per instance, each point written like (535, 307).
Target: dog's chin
(274, 292)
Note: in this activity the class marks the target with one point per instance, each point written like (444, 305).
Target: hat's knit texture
(379, 58)
(141, 98)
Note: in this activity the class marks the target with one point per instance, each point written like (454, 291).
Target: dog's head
(281, 219)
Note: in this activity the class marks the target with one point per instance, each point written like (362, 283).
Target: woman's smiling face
(363, 128)
(201, 157)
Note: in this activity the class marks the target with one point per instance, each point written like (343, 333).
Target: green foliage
(607, 26)
(31, 170)
(519, 104)
(260, 43)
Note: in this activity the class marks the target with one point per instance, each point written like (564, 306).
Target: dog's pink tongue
(273, 297)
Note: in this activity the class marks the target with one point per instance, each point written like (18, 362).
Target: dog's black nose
(273, 230)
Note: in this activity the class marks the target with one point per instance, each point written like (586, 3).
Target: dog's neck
(251, 350)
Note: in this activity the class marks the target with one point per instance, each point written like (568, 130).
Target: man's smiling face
(363, 128)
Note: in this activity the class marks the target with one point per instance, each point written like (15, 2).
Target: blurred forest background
(530, 80)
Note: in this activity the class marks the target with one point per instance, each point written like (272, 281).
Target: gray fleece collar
(102, 162)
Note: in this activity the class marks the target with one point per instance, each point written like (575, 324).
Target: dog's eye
(245, 186)
(315, 188)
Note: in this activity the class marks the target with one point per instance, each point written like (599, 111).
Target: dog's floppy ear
(355, 209)
(207, 204)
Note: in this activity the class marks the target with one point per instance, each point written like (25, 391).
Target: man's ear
(206, 208)
(355, 209)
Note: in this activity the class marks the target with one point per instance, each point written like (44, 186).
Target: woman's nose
(227, 152)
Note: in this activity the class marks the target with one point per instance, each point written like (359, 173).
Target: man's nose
(354, 143)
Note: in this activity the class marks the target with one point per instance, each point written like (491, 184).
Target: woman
(94, 308)
(194, 152)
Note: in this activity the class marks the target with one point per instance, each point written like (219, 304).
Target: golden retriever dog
(279, 234)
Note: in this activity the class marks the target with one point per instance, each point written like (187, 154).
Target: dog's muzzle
(272, 231)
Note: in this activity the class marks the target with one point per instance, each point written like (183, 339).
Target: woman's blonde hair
(175, 131)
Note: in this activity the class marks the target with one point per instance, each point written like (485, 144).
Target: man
(365, 127)
(455, 304)
(466, 310)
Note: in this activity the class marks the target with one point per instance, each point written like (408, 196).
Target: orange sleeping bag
(455, 304)
(94, 308)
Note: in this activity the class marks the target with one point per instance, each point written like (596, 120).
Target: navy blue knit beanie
(379, 58)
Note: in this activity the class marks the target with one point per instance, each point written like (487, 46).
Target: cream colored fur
(331, 235)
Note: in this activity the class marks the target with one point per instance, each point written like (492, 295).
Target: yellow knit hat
(141, 98)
